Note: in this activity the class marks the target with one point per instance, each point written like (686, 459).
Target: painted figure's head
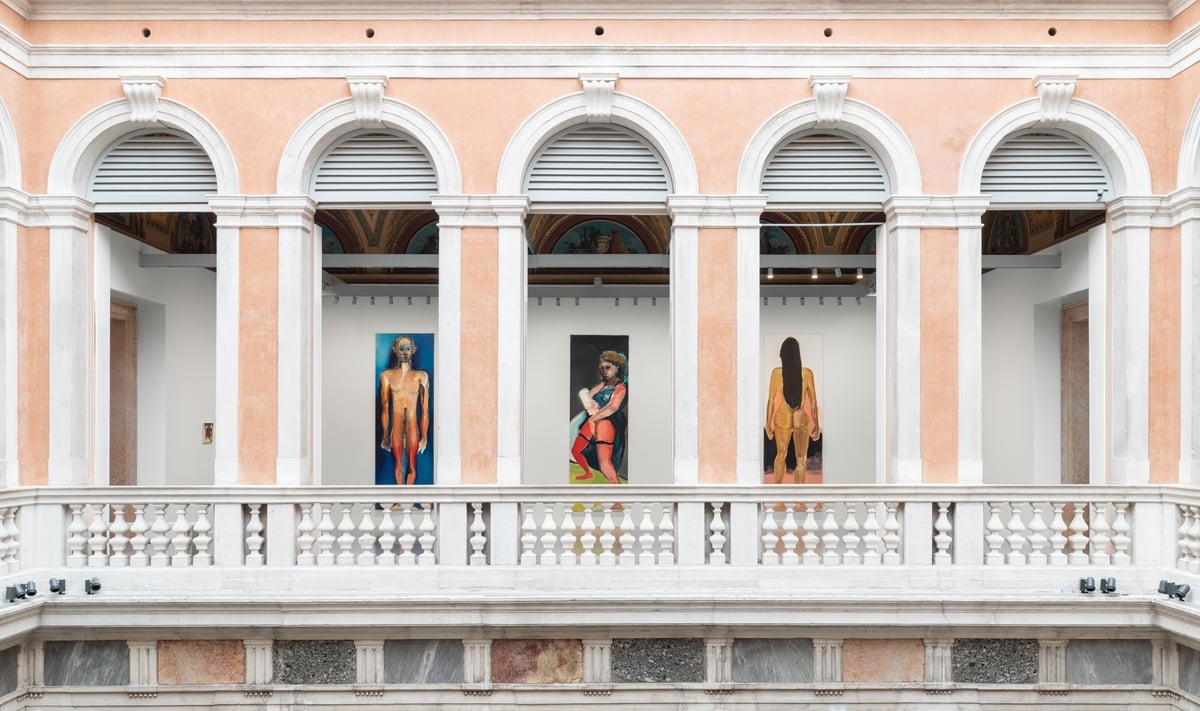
(612, 365)
(404, 349)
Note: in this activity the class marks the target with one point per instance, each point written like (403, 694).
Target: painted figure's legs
(577, 447)
(782, 436)
(605, 433)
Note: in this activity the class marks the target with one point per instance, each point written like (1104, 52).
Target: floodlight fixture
(91, 586)
(58, 586)
(1087, 585)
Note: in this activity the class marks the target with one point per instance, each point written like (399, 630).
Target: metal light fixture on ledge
(1087, 585)
(1108, 585)
(91, 586)
(58, 586)
(1173, 590)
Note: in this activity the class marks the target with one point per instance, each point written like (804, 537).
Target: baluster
(1038, 543)
(181, 540)
(254, 537)
(567, 538)
(666, 539)
(810, 557)
(891, 537)
(367, 538)
(625, 525)
(528, 537)
(607, 539)
(98, 540)
(1078, 538)
(872, 541)
(549, 537)
(345, 541)
(202, 539)
(588, 539)
(1058, 542)
(1016, 536)
(1183, 538)
(942, 539)
(791, 541)
(76, 540)
(1120, 541)
(770, 536)
(138, 542)
(851, 540)
(428, 539)
(407, 538)
(829, 539)
(1099, 548)
(159, 541)
(8, 547)
(995, 537)
(13, 533)
(1194, 540)
(646, 537)
(716, 538)
(478, 539)
(306, 540)
(118, 538)
(325, 537)
(387, 538)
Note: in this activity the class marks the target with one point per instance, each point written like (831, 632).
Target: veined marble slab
(765, 661)
(87, 663)
(423, 661)
(1109, 661)
(9, 661)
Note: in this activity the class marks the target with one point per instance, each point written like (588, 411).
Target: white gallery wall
(176, 346)
(845, 383)
(548, 390)
(349, 407)
(1022, 321)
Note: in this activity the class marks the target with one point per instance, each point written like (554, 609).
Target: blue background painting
(385, 463)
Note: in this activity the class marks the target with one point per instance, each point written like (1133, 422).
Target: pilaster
(368, 661)
(32, 664)
(597, 661)
(299, 331)
(685, 323)
(259, 661)
(143, 663)
(1186, 214)
(939, 663)
(718, 661)
(1052, 661)
(12, 209)
(827, 661)
(477, 662)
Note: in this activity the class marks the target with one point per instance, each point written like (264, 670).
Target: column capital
(263, 210)
(13, 205)
(1139, 212)
(480, 210)
(716, 210)
(59, 211)
(936, 211)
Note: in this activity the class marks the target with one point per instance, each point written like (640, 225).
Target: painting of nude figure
(404, 408)
(599, 400)
(793, 441)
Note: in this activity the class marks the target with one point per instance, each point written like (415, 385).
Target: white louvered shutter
(1045, 168)
(598, 163)
(824, 168)
(375, 167)
(163, 170)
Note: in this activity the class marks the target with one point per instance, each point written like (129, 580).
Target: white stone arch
(1189, 152)
(627, 111)
(86, 142)
(10, 154)
(858, 119)
(1113, 143)
(333, 122)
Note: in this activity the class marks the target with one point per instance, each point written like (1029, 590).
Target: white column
(448, 371)
(299, 305)
(597, 661)
(747, 215)
(369, 661)
(939, 662)
(1186, 213)
(477, 662)
(969, 219)
(718, 658)
(259, 662)
(1129, 322)
(12, 208)
(511, 302)
(143, 663)
(226, 359)
(901, 262)
(32, 664)
(1052, 661)
(1165, 663)
(827, 661)
(71, 329)
(684, 291)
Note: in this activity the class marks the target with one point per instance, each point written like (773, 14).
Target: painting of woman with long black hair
(793, 418)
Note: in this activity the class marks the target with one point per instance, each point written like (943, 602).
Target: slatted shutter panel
(598, 163)
(375, 167)
(824, 168)
(1045, 168)
(162, 169)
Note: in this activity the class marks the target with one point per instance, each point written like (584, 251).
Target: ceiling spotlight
(617, 301)
(91, 586)
(1179, 592)
(858, 300)
(770, 272)
(1087, 585)
(784, 301)
(354, 301)
(372, 300)
(858, 273)
(1108, 585)
(539, 301)
(837, 272)
(814, 272)
(597, 281)
(839, 301)
(410, 301)
(58, 586)
(820, 301)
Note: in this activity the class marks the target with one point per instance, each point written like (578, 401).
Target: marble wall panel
(994, 661)
(658, 661)
(202, 661)
(773, 661)
(1109, 661)
(423, 661)
(537, 661)
(314, 662)
(87, 663)
(883, 660)
(1189, 670)
(9, 662)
